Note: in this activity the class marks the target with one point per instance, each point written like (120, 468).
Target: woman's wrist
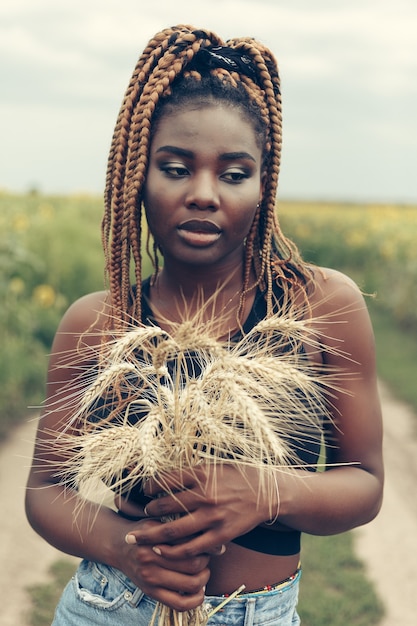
(112, 539)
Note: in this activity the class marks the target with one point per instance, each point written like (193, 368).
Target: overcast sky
(348, 71)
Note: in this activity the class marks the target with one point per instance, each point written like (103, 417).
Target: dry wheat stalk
(181, 398)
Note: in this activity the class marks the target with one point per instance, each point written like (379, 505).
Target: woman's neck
(210, 297)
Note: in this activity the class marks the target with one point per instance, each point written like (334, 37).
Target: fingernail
(130, 539)
(223, 549)
(157, 550)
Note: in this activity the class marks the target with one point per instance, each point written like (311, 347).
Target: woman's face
(203, 184)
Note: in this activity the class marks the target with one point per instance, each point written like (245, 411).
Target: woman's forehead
(214, 122)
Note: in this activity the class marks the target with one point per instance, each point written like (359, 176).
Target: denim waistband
(240, 592)
(257, 606)
(99, 594)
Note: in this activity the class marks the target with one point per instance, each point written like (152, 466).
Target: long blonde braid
(165, 59)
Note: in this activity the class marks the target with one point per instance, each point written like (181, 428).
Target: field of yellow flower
(50, 254)
(374, 244)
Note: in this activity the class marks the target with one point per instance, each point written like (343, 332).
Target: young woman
(197, 145)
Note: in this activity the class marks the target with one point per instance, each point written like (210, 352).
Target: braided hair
(178, 66)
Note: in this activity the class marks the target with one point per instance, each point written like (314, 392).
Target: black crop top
(260, 539)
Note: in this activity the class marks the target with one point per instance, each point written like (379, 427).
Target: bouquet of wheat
(170, 401)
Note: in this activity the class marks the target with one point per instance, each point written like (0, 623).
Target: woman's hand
(215, 504)
(129, 507)
(176, 582)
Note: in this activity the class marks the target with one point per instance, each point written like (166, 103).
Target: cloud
(348, 73)
(375, 39)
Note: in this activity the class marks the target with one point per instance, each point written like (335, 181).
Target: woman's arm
(348, 494)
(73, 524)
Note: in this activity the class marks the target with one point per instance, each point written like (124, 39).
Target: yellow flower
(303, 231)
(356, 239)
(21, 223)
(16, 286)
(388, 250)
(46, 211)
(44, 296)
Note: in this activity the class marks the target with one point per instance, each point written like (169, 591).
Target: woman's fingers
(129, 508)
(190, 565)
(174, 545)
(178, 583)
(180, 601)
(172, 532)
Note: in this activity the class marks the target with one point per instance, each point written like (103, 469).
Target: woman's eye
(174, 171)
(235, 176)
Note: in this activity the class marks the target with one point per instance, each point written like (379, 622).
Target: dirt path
(24, 557)
(388, 546)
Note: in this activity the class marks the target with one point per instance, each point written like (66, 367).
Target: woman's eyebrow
(189, 154)
(235, 156)
(178, 151)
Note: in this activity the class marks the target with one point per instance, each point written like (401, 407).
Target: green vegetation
(50, 254)
(334, 590)
(375, 245)
(44, 598)
(396, 349)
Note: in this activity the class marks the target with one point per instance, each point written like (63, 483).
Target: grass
(44, 597)
(396, 356)
(334, 590)
(50, 255)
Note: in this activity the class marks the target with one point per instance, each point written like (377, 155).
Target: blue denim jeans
(99, 595)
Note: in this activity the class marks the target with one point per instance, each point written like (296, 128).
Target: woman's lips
(199, 233)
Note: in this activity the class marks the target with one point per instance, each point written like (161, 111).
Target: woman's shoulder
(84, 319)
(88, 311)
(333, 289)
(341, 316)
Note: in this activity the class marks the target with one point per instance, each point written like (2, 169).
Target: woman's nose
(203, 192)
